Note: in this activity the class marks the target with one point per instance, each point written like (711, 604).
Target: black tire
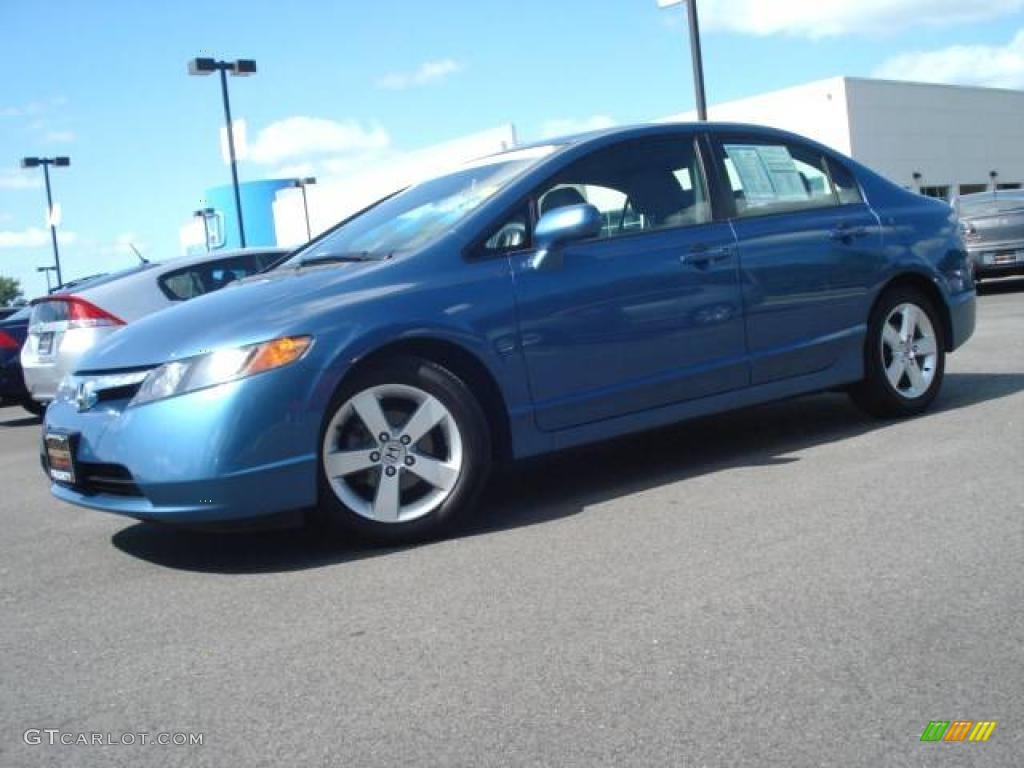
(472, 425)
(33, 407)
(875, 394)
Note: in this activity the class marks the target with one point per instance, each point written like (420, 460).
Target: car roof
(77, 286)
(977, 197)
(203, 258)
(95, 280)
(642, 129)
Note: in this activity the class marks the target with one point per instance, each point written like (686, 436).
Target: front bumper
(234, 452)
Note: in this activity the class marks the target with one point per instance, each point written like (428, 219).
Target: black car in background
(13, 330)
(993, 225)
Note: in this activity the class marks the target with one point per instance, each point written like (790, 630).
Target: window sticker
(767, 173)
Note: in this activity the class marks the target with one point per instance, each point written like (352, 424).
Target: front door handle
(701, 256)
(847, 232)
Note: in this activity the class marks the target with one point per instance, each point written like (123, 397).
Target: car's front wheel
(904, 357)
(404, 453)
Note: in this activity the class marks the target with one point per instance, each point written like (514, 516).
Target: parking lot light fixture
(238, 68)
(205, 214)
(60, 162)
(302, 184)
(47, 271)
(695, 53)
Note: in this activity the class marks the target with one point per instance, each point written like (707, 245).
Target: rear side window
(846, 185)
(767, 177)
(197, 279)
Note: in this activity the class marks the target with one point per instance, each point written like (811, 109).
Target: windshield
(420, 214)
(991, 205)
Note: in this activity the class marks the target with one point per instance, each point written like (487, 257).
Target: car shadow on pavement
(560, 485)
(1003, 285)
(21, 420)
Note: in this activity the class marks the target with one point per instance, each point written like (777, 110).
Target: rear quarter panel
(921, 236)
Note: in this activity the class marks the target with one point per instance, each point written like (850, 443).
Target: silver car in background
(68, 322)
(993, 226)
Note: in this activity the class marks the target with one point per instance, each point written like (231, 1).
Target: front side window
(768, 177)
(422, 213)
(640, 185)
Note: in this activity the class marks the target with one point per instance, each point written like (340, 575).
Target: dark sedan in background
(13, 330)
(993, 224)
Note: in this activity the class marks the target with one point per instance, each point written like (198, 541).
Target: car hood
(279, 303)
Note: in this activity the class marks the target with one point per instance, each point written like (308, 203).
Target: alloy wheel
(392, 453)
(909, 349)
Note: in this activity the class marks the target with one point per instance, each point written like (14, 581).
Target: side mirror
(560, 226)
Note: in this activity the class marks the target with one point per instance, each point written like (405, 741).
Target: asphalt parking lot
(791, 585)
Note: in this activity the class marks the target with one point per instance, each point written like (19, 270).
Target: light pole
(46, 162)
(47, 270)
(695, 54)
(205, 213)
(302, 184)
(238, 68)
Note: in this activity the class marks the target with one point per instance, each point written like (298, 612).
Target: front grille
(126, 392)
(112, 479)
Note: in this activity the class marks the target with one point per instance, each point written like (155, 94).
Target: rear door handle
(847, 232)
(701, 256)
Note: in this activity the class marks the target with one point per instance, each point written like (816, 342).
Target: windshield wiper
(336, 258)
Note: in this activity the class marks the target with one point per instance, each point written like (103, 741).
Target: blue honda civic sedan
(545, 297)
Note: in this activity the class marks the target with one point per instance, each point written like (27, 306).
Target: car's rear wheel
(404, 453)
(905, 356)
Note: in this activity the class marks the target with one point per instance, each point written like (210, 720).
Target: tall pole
(231, 153)
(53, 225)
(698, 61)
(305, 209)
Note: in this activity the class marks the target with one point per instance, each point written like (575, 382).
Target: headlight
(219, 367)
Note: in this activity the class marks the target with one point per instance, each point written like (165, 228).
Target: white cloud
(19, 179)
(297, 138)
(23, 110)
(59, 137)
(999, 66)
(296, 170)
(428, 72)
(33, 237)
(567, 126)
(33, 108)
(122, 246)
(829, 18)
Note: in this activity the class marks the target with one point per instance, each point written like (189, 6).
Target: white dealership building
(940, 140)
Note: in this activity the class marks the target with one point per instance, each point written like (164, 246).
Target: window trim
(474, 251)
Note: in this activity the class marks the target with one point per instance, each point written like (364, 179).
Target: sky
(344, 84)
